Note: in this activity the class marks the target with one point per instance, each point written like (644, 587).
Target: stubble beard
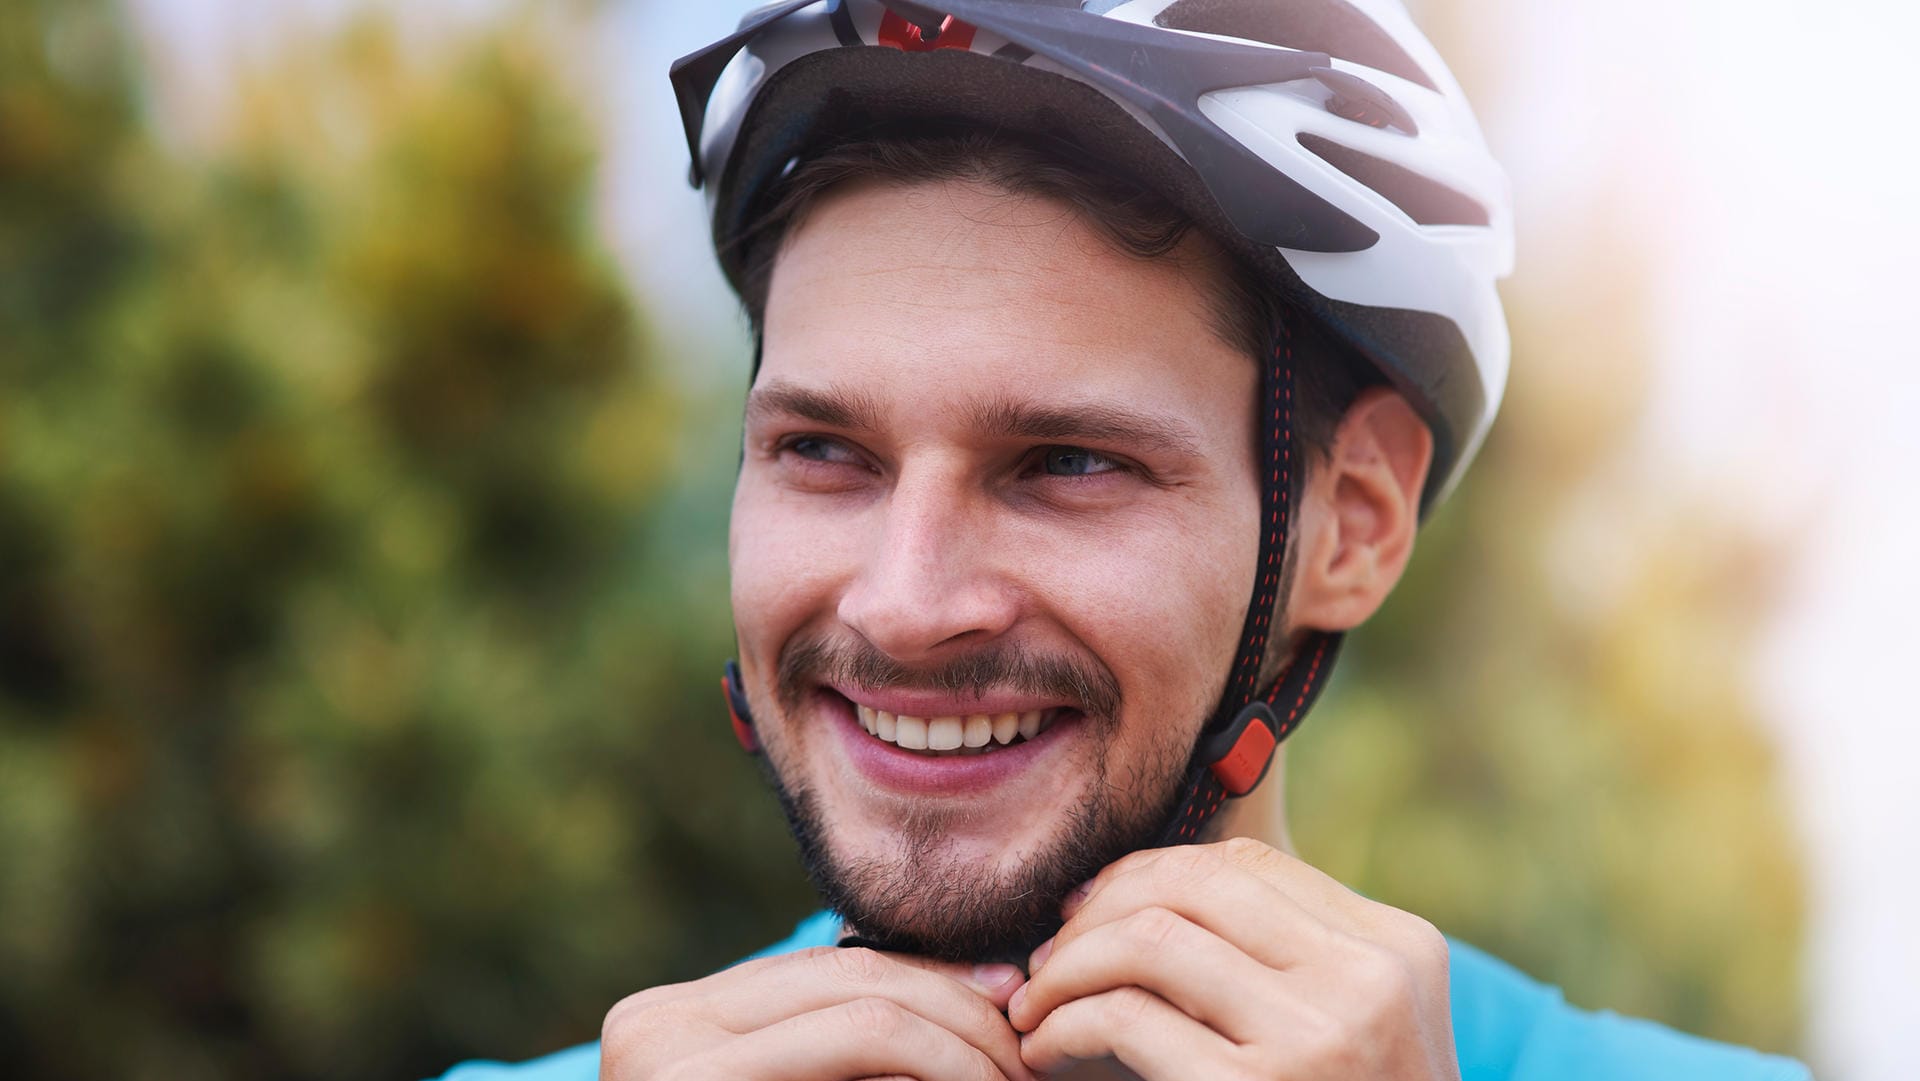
(923, 900)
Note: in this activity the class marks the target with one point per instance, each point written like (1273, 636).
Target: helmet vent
(1423, 200)
(1334, 27)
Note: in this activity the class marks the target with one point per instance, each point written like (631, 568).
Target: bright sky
(1767, 149)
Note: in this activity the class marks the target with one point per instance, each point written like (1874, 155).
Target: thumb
(994, 982)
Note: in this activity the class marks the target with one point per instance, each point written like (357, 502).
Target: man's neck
(1262, 814)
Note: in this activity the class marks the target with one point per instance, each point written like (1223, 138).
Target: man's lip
(911, 703)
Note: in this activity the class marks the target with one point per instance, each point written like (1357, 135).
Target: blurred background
(368, 411)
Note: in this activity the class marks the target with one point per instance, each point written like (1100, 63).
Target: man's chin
(966, 854)
(944, 882)
(916, 888)
(952, 909)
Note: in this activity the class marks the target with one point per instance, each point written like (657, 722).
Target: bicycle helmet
(1322, 142)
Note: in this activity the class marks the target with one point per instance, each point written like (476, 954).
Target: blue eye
(817, 449)
(1075, 462)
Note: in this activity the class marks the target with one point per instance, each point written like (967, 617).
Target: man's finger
(866, 1037)
(996, 983)
(1160, 951)
(1145, 1032)
(817, 980)
(1321, 895)
(1240, 907)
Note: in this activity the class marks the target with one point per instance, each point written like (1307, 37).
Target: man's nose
(930, 580)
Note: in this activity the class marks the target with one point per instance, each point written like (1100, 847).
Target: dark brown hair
(1135, 219)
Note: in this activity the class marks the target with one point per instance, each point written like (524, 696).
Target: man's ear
(1360, 511)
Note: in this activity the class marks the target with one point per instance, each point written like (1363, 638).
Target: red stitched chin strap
(1232, 760)
(1236, 747)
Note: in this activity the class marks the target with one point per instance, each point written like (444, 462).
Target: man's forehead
(939, 263)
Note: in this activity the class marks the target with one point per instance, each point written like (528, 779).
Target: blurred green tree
(357, 557)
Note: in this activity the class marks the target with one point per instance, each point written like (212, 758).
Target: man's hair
(1135, 219)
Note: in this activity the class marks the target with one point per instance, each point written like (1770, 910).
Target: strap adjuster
(737, 710)
(1240, 754)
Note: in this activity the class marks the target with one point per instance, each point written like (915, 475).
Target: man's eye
(819, 449)
(1076, 462)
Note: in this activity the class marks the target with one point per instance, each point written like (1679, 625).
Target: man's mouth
(977, 733)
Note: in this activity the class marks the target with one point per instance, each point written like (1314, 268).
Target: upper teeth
(971, 734)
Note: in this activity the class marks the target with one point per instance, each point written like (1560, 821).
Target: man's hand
(824, 1014)
(1235, 960)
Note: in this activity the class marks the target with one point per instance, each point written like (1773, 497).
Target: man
(1111, 354)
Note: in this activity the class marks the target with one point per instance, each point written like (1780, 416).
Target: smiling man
(1111, 356)
(977, 566)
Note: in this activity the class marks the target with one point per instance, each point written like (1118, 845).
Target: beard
(918, 900)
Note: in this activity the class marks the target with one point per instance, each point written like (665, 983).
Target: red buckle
(737, 710)
(906, 36)
(1240, 755)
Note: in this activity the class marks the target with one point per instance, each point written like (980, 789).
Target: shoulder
(1509, 1027)
(583, 1063)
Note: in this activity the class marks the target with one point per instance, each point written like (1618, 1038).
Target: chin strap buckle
(1240, 754)
(737, 710)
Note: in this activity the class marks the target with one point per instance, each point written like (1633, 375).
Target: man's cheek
(774, 577)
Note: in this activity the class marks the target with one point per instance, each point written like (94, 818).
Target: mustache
(816, 659)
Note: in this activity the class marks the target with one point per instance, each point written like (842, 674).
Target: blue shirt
(1506, 1027)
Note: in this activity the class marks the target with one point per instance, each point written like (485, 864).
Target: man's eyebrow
(834, 407)
(1005, 418)
(1104, 424)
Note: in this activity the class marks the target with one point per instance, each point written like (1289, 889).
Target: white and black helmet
(1323, 141)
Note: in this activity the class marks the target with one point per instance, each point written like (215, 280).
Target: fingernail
(1040, 956)
(993, 977)
(1019, 996)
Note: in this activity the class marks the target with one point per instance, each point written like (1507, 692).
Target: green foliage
(362, 577)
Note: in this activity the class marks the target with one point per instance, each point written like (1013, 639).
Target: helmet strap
(1236, 747)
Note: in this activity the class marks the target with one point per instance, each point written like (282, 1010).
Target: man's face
(993, 466)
